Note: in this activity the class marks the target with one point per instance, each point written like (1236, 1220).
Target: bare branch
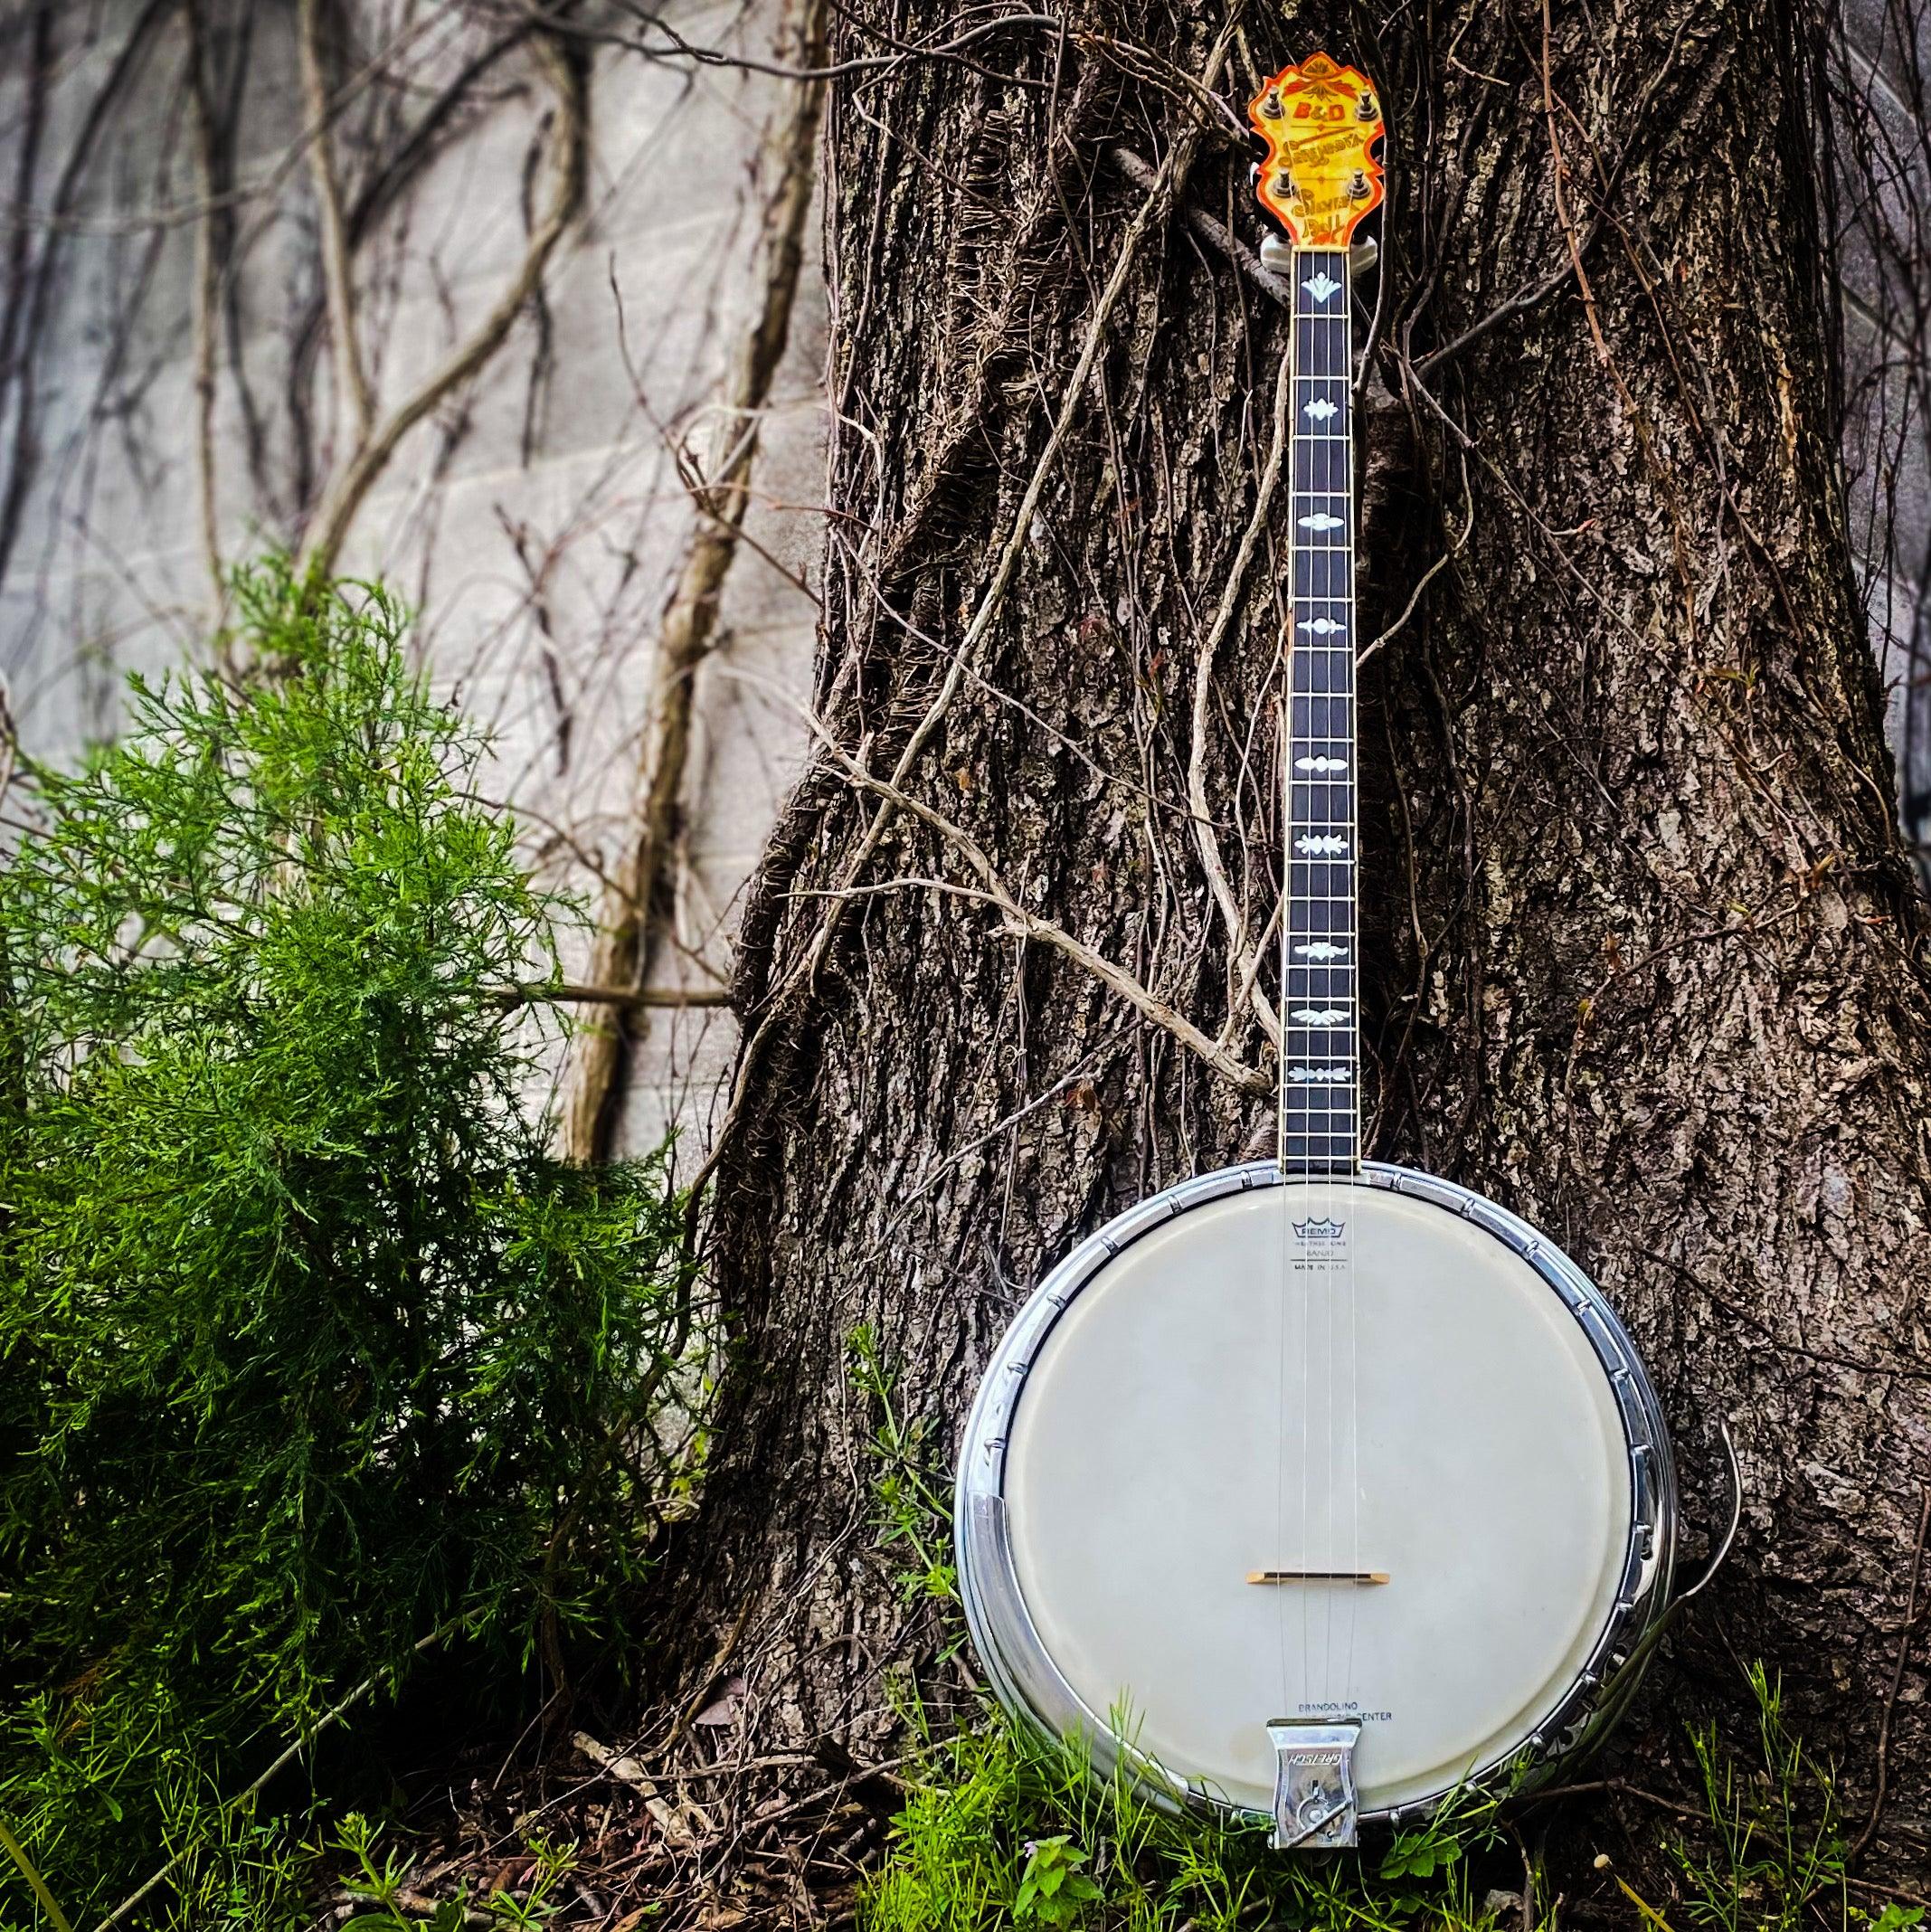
(621, 953)
(352, 379)
(537, 992)
(1233, 912)
(207, 300)
(1216, 234)
(345, 497)
(1018, 921)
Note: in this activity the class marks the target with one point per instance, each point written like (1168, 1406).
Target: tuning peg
(1271, 105)
(1363, 256)
(1365, 109)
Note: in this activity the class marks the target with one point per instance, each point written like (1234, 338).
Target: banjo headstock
(1320, 122)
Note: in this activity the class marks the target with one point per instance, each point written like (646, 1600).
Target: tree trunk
(1647, 955)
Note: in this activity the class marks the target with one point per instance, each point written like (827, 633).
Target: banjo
(1311, 1489)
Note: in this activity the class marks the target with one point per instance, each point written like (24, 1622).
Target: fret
(1319, 1060)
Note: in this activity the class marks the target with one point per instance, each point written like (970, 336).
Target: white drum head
(1319, 1377)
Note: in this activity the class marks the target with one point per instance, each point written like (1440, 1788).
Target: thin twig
(701, 1695)
(629, 926)
(1428, 576)
(328, 1717)
(538, 993)
(1232, 912)
(677, 44)
(1890, 1700)
(567, 169)
(207, 298)
(352, 379)
(1559, 178)
(1216, 234)
(991, 891)
(1615, 1787)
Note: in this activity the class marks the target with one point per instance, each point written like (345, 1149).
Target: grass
(1007, 1829)
(1775, 1855)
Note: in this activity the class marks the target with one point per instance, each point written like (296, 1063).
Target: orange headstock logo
(1320, 122)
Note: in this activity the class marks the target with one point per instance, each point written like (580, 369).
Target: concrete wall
(1880, 135)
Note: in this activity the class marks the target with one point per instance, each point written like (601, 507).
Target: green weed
(910, 1491)
(379, 1880)
(1004, 1828)
(1775, 1855)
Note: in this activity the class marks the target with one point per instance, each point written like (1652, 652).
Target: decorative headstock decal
(1320, 122)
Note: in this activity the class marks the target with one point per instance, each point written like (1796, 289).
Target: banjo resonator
(1395, 1408)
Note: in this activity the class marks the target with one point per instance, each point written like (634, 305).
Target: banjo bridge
(1293, 1576)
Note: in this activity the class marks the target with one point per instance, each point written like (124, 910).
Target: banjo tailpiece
(1315, 1805)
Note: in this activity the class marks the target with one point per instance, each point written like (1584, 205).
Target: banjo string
(1345, 363)
(1281, 1353)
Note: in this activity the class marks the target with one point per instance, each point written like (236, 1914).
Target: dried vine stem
(1022, 925)
(538, 993)
(352, 376)
(207, 298)
(992, 890)
(1241, 969)
(1148, 218)
(1216, 234)
(1905, 1633)
(567, 169)
(630, 924)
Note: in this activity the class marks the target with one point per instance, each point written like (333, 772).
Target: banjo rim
(1030, 1684)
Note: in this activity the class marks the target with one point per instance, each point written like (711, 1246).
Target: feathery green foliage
(308, 1348)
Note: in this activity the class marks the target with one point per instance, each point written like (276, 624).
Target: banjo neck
(1321, 1130)
(1322, 123)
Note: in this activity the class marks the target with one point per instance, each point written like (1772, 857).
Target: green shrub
(308, 1348)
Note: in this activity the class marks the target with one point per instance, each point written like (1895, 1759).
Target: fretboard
(1320, 1055)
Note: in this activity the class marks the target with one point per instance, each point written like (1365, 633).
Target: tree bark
(1648, 962)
